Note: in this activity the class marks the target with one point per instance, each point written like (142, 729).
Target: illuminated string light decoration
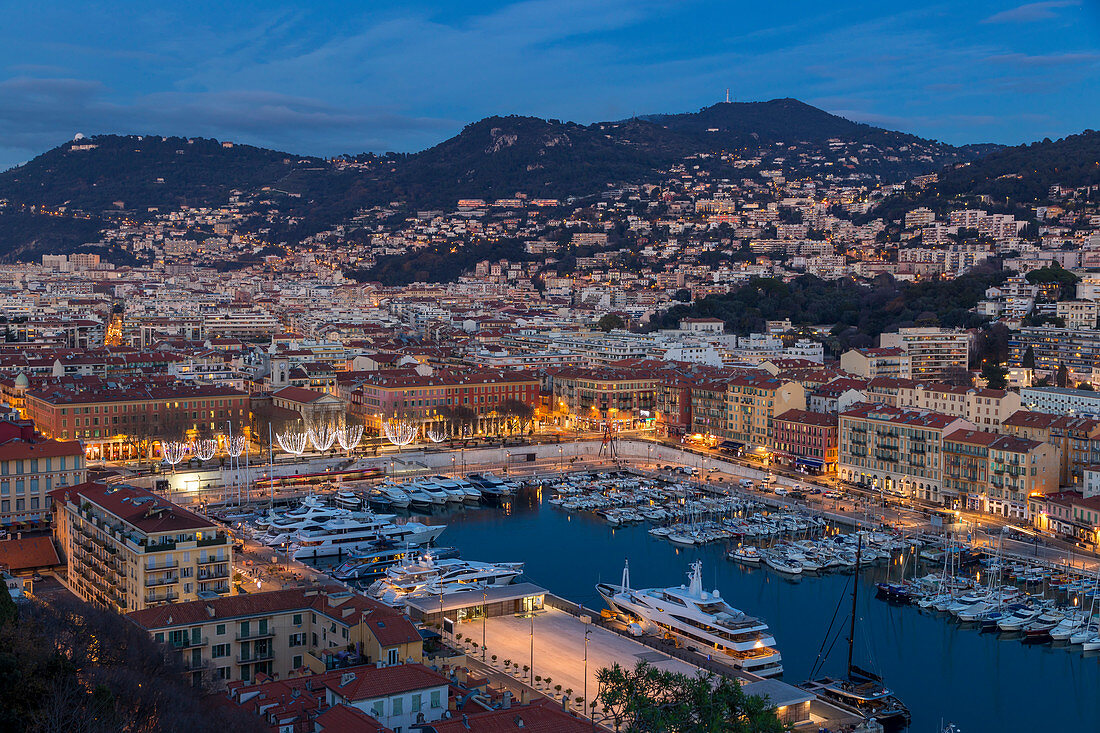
(235, 446)
(436, 435)
(322, 436)
(348, 436)
(292, 441)
(205, 448)
(175, 451)
(399, 432)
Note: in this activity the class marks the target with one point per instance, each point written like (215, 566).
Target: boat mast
(855, 589)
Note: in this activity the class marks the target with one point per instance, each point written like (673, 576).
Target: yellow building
(128, 549)
(752, 402)
(282, 633)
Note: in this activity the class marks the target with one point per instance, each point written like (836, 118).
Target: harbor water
(942, 671)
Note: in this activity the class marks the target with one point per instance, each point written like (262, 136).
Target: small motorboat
(347, 500)
(747, 555)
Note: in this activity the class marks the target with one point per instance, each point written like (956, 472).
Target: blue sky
(330, 77)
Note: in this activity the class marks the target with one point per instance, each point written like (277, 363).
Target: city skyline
(327, 80)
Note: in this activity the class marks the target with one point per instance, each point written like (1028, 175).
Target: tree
(651, 699)
(957, 377)
(1062, 378)
(995, 375)
(1028, 361)
(610, 322)
(67, 666)
(683, 295)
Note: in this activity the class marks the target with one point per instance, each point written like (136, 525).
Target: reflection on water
(941, 670)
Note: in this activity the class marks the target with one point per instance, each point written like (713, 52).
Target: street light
(587, 621)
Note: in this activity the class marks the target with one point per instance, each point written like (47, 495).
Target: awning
(809, 462)
(730, 445)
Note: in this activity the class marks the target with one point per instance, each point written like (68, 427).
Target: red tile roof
(373, 682)
(28, 553)
(541, 716)
(346, 719)
(142, 509)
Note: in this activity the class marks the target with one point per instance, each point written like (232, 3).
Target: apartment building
(997, 473)
(897, 450)
(1076, 438)
(805, 439)
(31, 466)
(880, 362)
(1077, 314)
(244, 324)
(1078, 349)
(119, 420)
(282, 633)
(1067, 514)
(128, 549)
(387, 394)
(934, 353)
(986, 408)
(1061, 401)
(753, 401)
(587, 396)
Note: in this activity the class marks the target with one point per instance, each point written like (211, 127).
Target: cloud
(37, 114)
(1047, 60)
(1032, 12)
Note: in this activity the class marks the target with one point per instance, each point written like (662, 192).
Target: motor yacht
(369, 564)
(747, 555)
(344, 535)
(700, 618)
(347, 500)
(428, 574)
(491, 487)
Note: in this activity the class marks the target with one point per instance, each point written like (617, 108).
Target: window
(296, 662)
(435, 698)
(378, 708)
(222, 673)
(297, 640)
(297, 619)
(219, 629)
(219, 650)
(392, 656)
(415, 706)
(398, 705)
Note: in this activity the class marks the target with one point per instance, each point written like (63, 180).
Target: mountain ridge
(491, 158)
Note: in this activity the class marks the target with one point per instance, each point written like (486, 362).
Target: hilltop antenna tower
(727, 95)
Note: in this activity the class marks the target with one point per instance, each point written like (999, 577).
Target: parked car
(782, 491)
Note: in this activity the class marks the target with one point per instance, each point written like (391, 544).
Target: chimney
(506, 700)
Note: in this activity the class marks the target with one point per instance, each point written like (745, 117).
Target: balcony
(153, 598)
(220, 539)
(162, 566)
(255, 634)
(213, 574)
(219, 588)
(161, 546)
(155, 582)
(255, 657)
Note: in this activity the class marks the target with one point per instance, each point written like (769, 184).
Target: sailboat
(860, 691)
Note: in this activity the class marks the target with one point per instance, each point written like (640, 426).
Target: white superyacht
(700, 618)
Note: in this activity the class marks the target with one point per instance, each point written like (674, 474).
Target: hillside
(84, 183)
(1019, 176)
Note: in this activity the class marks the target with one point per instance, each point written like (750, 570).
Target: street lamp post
(484, 616)
(586, 620)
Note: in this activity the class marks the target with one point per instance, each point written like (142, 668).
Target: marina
(943, 671)
(749, 553)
